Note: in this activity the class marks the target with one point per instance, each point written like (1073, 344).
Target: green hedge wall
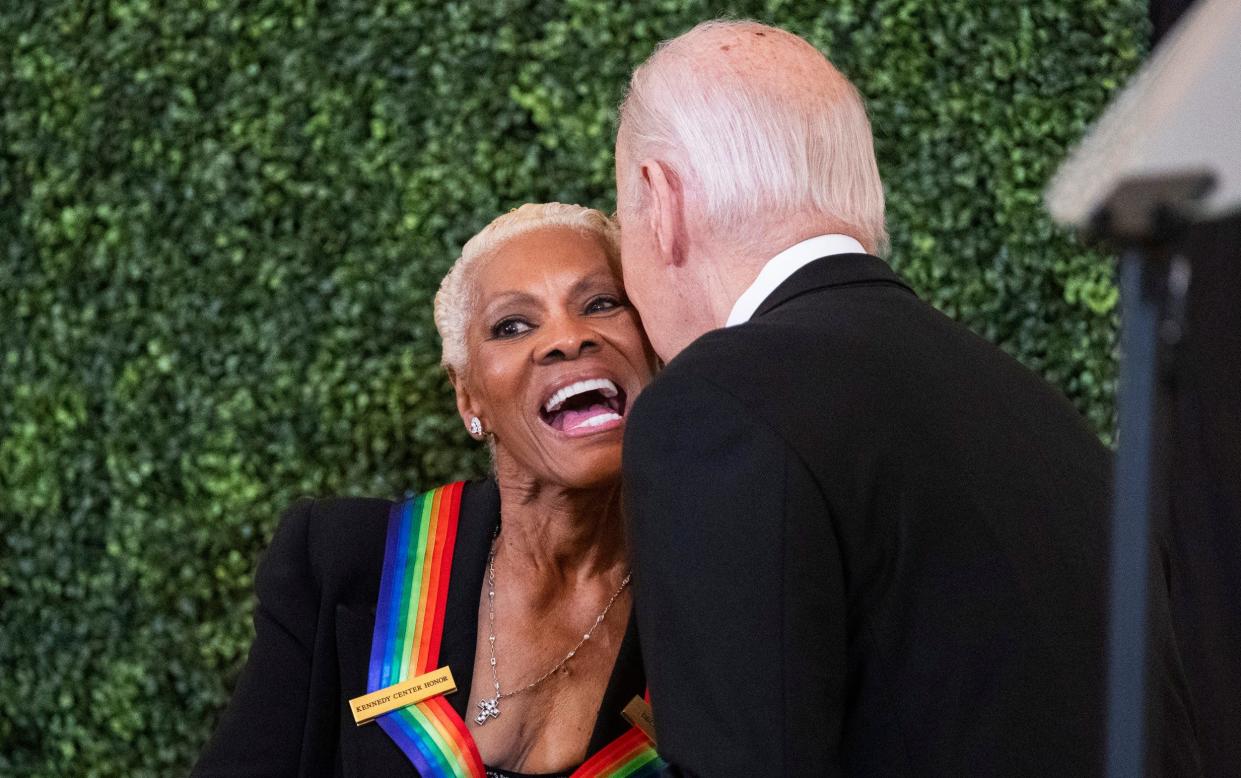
(222, 223)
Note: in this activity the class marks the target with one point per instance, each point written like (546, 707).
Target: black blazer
(317, 587)
(867, 542)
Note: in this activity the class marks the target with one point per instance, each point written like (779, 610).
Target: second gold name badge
(370, 706)
(638, 712)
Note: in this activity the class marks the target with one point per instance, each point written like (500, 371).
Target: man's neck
(784, 266)
(727, 281)
(732, 265)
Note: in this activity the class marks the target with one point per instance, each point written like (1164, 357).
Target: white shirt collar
(786, 263)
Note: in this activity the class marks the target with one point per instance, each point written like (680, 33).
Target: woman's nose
(565, 339)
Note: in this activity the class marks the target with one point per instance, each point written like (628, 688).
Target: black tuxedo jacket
(869, 543)
(317, 587)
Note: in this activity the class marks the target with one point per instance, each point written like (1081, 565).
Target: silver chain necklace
(489, 707)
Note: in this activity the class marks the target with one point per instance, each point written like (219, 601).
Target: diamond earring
(476, 427)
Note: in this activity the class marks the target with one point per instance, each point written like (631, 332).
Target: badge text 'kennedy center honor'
(371, 706)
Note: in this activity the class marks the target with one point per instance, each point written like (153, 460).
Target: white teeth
(595, 421)
(601, 385)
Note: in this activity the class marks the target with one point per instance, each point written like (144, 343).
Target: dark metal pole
(1131, 514)
(1146, 216)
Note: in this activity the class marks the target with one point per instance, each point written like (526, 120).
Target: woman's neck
(555, 536)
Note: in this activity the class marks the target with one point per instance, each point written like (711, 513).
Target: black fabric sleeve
(262, 730)
(712, 496)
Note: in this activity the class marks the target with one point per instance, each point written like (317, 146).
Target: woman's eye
(600, 304)
(509, 328)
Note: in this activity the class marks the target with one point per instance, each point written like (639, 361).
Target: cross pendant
(488, 709)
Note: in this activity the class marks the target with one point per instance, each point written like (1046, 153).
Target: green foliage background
(222, 223)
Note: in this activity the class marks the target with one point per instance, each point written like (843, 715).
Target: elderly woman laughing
(516, 586)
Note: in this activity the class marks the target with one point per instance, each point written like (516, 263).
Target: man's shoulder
(725, 353)
(738, 361)
(710, 381)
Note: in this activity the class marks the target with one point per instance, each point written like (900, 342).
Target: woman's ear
(667, 209)
(467, 408)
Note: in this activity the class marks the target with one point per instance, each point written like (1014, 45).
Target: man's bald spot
(787, 64)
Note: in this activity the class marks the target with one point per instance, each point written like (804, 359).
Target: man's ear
(667, 209)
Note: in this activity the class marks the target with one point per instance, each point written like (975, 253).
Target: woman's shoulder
(326, 521)
(338, 542)
(328, 545)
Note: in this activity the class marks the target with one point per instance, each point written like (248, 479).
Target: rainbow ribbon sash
(629, 756)
(409, 624)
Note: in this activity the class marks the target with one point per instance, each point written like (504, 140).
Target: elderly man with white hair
(866, 541)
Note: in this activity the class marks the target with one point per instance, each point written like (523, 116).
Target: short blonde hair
(753, 150)
(454, 303)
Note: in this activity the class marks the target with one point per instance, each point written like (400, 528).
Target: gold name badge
(638, 712)
(368, 707)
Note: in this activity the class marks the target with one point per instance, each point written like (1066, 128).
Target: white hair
(752, 149)
(455, 300)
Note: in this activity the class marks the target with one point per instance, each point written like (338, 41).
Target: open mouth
(584, 406)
